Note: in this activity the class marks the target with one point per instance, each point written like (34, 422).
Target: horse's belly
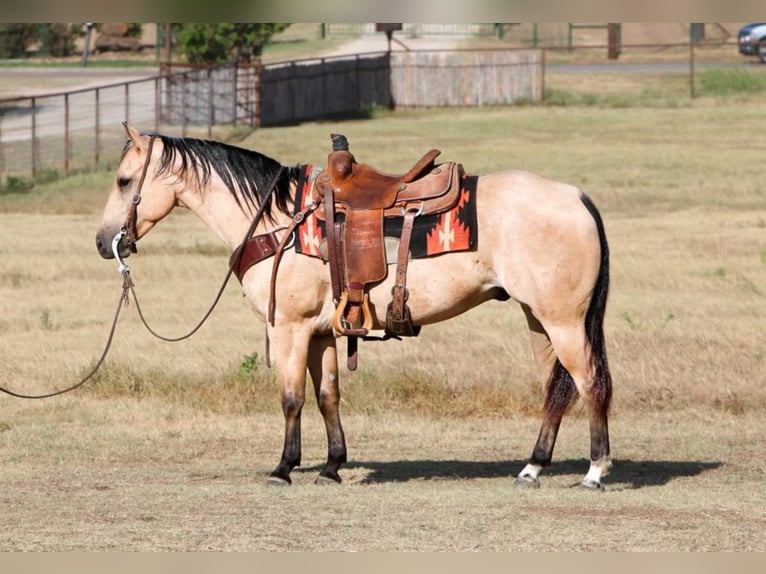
(439, 287)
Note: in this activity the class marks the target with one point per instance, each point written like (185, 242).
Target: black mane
(247, 174)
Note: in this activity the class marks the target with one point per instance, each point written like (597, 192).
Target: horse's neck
(219, 210)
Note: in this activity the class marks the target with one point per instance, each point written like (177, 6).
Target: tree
(219, 43)
(57, 39)
(61, 38)
(16, 38)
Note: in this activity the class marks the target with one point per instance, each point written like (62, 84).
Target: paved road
(47, 86)
(25, 82)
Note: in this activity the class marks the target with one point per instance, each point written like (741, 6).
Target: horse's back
(528, 194)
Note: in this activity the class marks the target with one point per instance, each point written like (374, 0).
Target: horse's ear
(134, 135)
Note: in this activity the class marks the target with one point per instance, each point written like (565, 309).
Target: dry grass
(683, 205)
(169, 447)
(148, 475)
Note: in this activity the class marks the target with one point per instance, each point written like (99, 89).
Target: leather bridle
(128, 231)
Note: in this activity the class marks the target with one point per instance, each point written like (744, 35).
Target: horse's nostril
(103, 247)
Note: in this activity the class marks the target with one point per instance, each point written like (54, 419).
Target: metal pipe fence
(80, 129)
(69, 130)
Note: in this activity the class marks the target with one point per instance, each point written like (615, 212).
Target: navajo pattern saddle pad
(453, 230)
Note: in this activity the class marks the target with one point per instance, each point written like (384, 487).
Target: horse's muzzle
(111, 245)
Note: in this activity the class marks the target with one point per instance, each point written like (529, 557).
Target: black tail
(561, 387)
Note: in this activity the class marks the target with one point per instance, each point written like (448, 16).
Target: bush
(16, 38)
(15, 184)
(59, 39)
(225, 42)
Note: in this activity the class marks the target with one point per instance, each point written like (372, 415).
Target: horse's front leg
(290, 351)
(323, 368)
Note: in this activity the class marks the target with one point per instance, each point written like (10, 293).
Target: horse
(542, 244)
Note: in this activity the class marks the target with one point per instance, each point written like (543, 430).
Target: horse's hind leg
(559, 390)
(591, 377)
(323, 368)
(565, 359)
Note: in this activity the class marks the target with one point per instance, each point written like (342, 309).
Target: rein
(123, 302)
(129, 231)
(233, 264)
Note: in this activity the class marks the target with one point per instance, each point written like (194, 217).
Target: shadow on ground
(627, 473)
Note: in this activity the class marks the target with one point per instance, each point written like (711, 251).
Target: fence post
(691, 69)
(34, 137)
(98, 121)
(66, 133)
(184, 115)
(210, 118)
(613, 38)
(258, 94)
(292, 89)
(157, 97)
(357, 84)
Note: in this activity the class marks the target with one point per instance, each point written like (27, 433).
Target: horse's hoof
(278, 481)
(527, 481)
(324, 479)
(592, 485)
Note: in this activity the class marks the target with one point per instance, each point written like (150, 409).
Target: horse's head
(138, 198)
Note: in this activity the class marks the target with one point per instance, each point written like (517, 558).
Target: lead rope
(128, 289)
(123, 302)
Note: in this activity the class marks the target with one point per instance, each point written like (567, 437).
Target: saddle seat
(358, 186)
(355, 198)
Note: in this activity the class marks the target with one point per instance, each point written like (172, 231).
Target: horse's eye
(123, 182)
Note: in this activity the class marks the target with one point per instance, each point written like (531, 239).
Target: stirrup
(341, 326)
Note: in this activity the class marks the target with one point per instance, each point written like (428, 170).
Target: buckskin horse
(540, 242)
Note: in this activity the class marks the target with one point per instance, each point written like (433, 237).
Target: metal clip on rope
(124, 269)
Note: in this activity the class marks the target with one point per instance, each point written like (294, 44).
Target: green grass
(720, 82)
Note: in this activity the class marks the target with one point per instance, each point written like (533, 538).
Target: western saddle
(354, 199)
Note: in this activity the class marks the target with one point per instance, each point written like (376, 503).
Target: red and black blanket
(453, 230)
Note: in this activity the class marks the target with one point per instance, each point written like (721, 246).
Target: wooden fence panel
(465, 78)
(309, 90)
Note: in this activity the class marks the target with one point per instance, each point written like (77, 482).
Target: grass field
(168, 449)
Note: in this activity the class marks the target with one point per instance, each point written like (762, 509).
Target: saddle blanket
(453, 230)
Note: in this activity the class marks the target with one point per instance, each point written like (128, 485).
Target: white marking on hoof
(592, 485)
(277, 481)
(527, 478)
(592, 480)
(527, 482)
(326, 480)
